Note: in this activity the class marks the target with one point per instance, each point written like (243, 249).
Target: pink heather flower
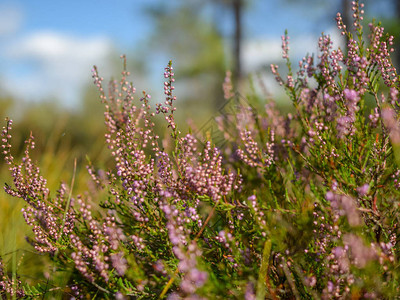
(394, 95)
(249, 295)
(360, 253)
(119, 263)
(227, 86)
(330, 286)
(351, 95)
(389, 117)
(119, 296)
(329, 196)
(374, 117)
(345, 205)
(252, 198)
(363, 190)
(285, 46)
(311, 281)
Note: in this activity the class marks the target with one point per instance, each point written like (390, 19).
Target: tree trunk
(237, 10)
(346, 17)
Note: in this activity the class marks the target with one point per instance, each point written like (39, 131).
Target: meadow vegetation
(261, 205)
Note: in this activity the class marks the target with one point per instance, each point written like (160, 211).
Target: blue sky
(115, 19)
(47, 47)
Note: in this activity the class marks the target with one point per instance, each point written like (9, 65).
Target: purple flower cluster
(8, 286)
(298, 205)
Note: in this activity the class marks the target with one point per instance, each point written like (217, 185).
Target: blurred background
(48, 48)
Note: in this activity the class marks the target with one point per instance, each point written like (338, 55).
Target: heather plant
(297, 205)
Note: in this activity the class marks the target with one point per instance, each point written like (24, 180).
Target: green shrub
(299, 205)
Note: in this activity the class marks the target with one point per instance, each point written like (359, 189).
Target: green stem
(69, 199)
(262, 276)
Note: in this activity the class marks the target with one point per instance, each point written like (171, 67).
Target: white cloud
(49, 64)
(55, 64)
(259, 54)
(265, 51)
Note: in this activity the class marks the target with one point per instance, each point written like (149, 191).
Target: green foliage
(299, 205)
